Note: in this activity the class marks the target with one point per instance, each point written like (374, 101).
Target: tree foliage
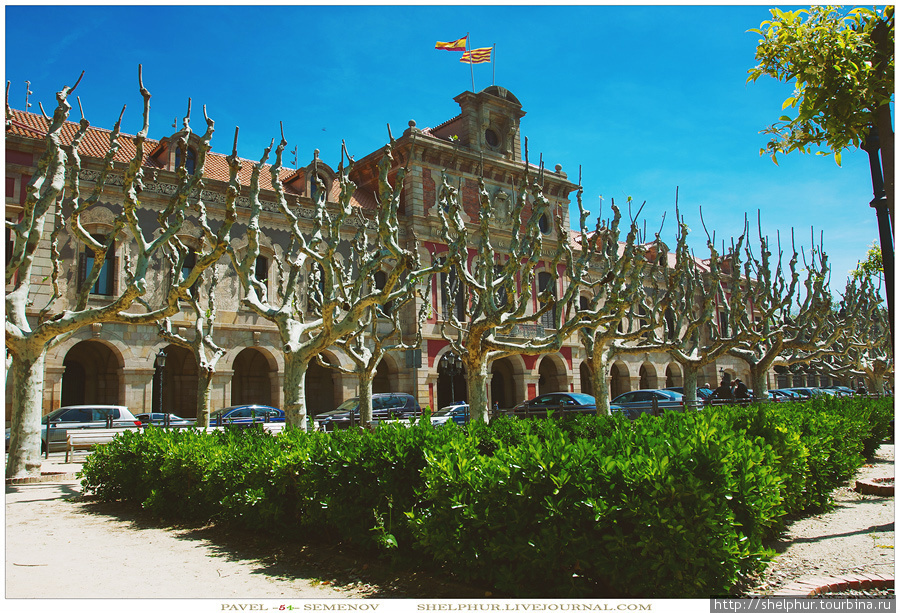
(840, 80)
(872, 266)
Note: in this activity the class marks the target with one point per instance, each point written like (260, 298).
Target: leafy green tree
(843, 69)
(872, 266)
(842, 65)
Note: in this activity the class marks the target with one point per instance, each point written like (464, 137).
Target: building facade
(117, 364)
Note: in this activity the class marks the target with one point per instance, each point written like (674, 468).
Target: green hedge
(676, 506)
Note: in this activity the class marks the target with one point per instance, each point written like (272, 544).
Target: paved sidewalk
(58, 546)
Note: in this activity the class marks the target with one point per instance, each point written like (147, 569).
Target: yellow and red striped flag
(456, 45)
(477, 56)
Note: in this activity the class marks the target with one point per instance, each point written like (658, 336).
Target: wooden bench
(86, 438)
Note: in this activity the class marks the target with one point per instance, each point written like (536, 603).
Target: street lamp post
(452, 365)
(161, 364)
(885, 233)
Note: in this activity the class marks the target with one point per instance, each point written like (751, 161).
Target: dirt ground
(62, 545)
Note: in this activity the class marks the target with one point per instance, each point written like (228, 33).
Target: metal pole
(885, 233)
(471, 68)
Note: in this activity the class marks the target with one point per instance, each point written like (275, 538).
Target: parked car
(633, 404)
(162, 419)
(244, 414)
(454, 413)
(81, 416)
(704, 394)
(808, 392)
(840, 390)
(783, 396)
(560, 403)
(387, 405)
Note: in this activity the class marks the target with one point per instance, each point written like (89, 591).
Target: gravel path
(856, 537)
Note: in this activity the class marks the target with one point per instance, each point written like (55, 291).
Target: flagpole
(493, 67)
(471, 68)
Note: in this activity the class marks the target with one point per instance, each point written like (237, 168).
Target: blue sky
(644, 98)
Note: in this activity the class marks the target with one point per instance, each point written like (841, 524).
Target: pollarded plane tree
(703, 303)
(380, 331)
(212, 244)
(862, 349)
(873, 357)
(499, 285)
(792, 321)
(54, 189)
(624, 311)
(345, 293)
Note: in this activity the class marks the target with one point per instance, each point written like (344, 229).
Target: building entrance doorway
(92, 375)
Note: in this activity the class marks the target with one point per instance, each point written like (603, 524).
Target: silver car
(83, 416)
(164, 419)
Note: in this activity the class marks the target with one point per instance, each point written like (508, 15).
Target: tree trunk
(27, 380)
(365, 397)
(478, 399)
(689, 384)
(295, 390)
(204, 383)
(759, 381)
(601, 383)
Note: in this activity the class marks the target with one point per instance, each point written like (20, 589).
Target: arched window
(502, 297)
(545, 282)
(670, 324)
(190, 164)
(450, 286)
(105, 283)
(261, 270)
(380, 281)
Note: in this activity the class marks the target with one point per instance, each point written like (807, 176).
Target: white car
(454, 413)
(78, 417)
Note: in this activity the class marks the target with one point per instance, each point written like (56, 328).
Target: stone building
(112, 363)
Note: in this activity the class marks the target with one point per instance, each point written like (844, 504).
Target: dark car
(634, 404)
(561, 404)
(244, 414)
(164, 419)
(704, 394)
(388, 405)
(808, 392)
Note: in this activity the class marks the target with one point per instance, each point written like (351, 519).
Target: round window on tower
(491, 137)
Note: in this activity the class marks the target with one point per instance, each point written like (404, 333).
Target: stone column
(53, 387)
(220, 395)
(138, 389)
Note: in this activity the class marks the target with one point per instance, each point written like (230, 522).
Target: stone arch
(321, 385)
(449, 388)
(674, 377)
(386, 375)
(619, 379)
(503, 383)
(93, 374)
(553, 374)
(254, 372)
(648, 376)
(175, 384)
(585, 373)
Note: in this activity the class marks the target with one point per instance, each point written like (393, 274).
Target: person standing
(723, 393)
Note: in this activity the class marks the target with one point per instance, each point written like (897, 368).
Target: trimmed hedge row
(675, 506)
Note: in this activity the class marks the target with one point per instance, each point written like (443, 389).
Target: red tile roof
(96, 143)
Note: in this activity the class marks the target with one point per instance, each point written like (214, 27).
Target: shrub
(675, 506)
